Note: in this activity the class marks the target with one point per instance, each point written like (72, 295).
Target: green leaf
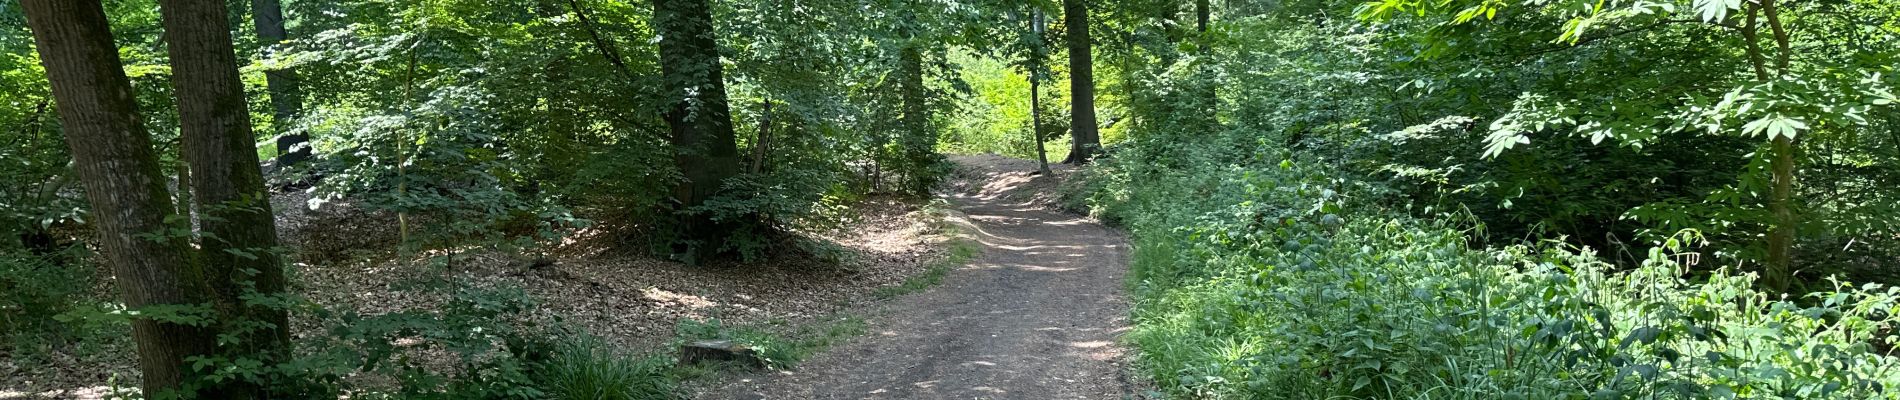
(1500, 141)
(1774, 126)
(1715, 10)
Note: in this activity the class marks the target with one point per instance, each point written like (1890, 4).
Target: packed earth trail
(1038, 314)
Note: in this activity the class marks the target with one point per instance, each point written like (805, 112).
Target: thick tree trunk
(286, 95)
(239, 230)
(917, 142)
(113, 157)
(1086, 139)
(705, 147)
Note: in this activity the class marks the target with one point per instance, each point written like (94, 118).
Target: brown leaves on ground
(348, 262)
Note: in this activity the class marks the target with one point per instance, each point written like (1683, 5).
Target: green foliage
(34, 292)
(1261, 275)
(493, 348)
(1528, 115)
(586, 368)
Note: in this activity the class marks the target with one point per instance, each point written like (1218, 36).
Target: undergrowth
(1261, 275)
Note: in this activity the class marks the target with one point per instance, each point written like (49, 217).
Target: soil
(347, 261)
(1037, 315)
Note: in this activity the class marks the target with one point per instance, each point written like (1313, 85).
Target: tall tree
(112, 154)
(239, 230)
(918, 140)
(705, 146)
(1086, 136)
(286, 95)
(1035, 67)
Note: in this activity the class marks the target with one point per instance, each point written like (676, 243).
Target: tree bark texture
(239, 231)
(705, 147)
(1086, 138)
(115, 162)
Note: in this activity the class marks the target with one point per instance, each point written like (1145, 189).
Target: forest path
(1037, 315)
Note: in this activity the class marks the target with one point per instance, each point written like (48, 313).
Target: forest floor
(618, 291)
(1038, 314)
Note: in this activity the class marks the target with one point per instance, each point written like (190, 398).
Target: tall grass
(585, 368)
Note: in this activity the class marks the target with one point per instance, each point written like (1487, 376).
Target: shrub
(33, 293)
(1259, 275)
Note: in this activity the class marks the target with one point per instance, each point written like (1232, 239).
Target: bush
(33, 293)
(477, 346)
(1259, 275)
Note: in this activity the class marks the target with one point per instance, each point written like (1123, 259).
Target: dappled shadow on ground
(1038, 315)
(627, 297)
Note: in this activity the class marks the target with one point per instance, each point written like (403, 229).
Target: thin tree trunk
(1780, 264)
(605, 47)
(759, 146)
(113, 157)
(1035, 94)
(1086, 138)
(286, 94)
(1781, 200)
(1035, 124)
(182, 197)
(31, 128)
(704, 145)
(239, 230)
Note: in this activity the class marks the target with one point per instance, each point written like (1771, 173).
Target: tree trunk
(704, 145)
(1779, 274)
(286, 96)
(113, 157)
(917, 141)
(1201, 16)
(239, 230)
(1086, 140)
(760, 144)
(1781, 200)
(1035, 123)
(1035, 94)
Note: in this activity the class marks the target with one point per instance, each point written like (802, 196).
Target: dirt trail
(1038, 315)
